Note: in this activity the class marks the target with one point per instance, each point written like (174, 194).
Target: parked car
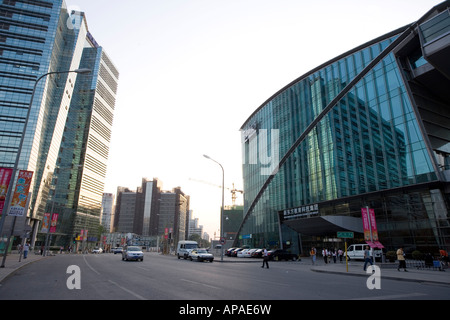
(229, 250)
(281, 255)
(117, 250)
(356, 252)
(132, 253)
(201, 255)
(257, 253)
(242, 253)
(97, 250)
(235, 252)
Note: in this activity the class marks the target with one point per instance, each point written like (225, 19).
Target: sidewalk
(388, 271)
(12, 263)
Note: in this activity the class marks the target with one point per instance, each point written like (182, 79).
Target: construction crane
(233, 191)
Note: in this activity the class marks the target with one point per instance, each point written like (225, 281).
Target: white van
(356, 252)
(184, 247)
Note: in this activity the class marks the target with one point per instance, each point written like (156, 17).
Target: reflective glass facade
(368, 150)
(68, 133)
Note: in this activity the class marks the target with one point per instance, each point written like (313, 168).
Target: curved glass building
(368, 129)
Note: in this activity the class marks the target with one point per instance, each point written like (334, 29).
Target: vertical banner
(53, 223)
(5, 178)
(366, 226)
(373, 225)
(46, 223)
(19, 200)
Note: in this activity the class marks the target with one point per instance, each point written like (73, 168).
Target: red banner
(366, 225)
(5, 178)
(370, 227)
(53, 223)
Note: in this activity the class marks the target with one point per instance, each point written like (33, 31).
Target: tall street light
(221, 214)
(19, 150)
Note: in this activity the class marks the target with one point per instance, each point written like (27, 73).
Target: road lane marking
(115, 283)
(203, 284)
(84, 257)
(129, 291)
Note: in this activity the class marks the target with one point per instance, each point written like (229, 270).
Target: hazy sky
(193, 71)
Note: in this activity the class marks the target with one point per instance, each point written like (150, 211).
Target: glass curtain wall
(369, 142)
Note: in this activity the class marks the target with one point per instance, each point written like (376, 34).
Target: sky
(193, 71)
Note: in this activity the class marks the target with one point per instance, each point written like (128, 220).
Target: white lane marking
(115, 283)
(203, 284)
(129, 291)
(90, 267)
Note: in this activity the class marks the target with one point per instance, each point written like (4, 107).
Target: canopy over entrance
(323, 225)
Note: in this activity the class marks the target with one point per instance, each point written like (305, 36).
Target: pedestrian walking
(340, 253)
(334, 255)
(325, 255)
(265, 258)
(313, 254)
(26, 248)
(401, 259)
(367, 257)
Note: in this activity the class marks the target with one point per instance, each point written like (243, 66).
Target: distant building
(108, 211)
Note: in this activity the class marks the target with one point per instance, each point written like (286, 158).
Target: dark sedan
(281, 255)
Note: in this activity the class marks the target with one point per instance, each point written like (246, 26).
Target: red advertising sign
(373, 225)
(5, 178)
(366, 225)
(53, 223)
(370, 228)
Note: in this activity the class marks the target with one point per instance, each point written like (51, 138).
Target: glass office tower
(368, 129)
(38, 37)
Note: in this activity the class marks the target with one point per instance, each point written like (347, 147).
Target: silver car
(201, 255)
(132, 253)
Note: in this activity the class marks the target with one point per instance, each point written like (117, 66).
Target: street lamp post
(19, 150)
(221, 214)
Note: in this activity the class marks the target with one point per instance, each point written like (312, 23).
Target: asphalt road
(107, 277)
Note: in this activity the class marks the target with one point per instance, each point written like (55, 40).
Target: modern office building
(138, 211)
(69, 129)
(108, 212)
(125, 210)
(147, 207)
(232, 218)
(368, 129)
(173, 212)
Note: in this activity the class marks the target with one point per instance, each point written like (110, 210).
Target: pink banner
(53, 223)
(366, 226)
(5, 178)
(373, 225)
(369, 226)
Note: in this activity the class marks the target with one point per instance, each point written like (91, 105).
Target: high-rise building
(147, 207)
(69, 129)
(108, 212)
(138, 211)
(173, 210)
(369, 129)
